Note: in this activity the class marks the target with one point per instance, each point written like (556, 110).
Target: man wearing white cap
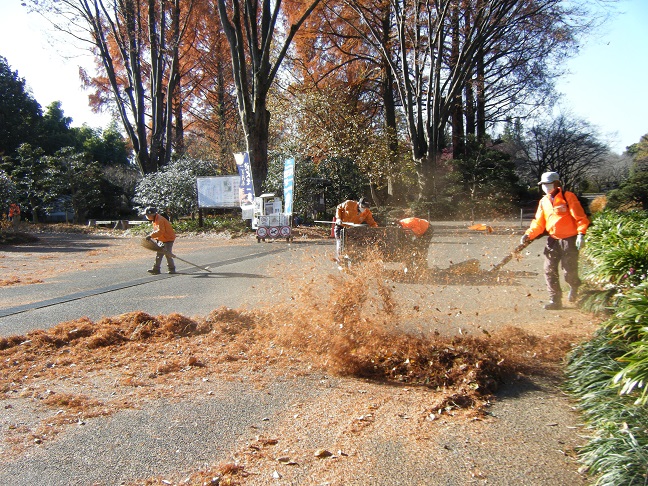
(559, 213)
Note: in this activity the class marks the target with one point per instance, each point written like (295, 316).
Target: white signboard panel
(218, 192)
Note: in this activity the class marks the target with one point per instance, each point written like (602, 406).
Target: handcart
(268, 220)
(392, 244)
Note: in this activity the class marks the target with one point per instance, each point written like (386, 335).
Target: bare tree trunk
(249, 34)
(481, 98)
(471, 126)
(257, 146)
(389, 104)
(457, 106)
(173, 101)
(178, 138)
(121, 34)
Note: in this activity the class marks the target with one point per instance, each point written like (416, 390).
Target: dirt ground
(399, 388)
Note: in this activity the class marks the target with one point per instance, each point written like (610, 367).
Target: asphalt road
(240, 275)
(525, 439)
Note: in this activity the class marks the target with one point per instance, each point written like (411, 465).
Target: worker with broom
(559, 213)
(164, 234)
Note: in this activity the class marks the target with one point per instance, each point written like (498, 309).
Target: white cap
(549, 177)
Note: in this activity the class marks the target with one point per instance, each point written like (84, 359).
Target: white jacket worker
(561, 214)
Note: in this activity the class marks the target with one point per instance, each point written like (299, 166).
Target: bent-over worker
(164, 234)
(351, 212)
(418, 226)
(559, 213)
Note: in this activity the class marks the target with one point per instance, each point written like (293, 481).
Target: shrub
(230, 223)
(617, 249)
(609, 374)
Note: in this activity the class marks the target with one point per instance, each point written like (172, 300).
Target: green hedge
(609, 374)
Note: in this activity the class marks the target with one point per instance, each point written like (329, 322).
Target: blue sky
(51, 70)
(606, 87)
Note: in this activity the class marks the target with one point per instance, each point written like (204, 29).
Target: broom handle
(166, 252)
(183, 260)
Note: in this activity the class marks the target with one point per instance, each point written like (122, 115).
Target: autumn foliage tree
(198, 75)
(332, 60)
(137, 47)
(212, 128)
(259, 34)
(459, 62)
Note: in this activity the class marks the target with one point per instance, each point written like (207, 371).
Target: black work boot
(154, 271)
(172, 270)
(573, 294)
(553, 304)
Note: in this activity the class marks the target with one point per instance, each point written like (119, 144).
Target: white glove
(524, 239)
(580, 239)
(338, 221)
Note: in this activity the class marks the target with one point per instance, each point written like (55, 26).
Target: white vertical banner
(289, 184)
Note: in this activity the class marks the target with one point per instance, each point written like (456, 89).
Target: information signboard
(218, 192)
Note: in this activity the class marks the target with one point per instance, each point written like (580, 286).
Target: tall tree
(565, 145)
(252, 29)
(34, 175)
(8, 192)
(77, 184)
(332, 55)
(442, 50)
(208, 91)
(55, 132)
(137, 45)
(20, 113)
(639, 153)
(106, 146)
(633, 192)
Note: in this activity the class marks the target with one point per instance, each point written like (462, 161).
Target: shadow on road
(225, 275)
(56, 243)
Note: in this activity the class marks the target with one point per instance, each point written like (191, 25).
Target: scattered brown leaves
(14, 280)
(347, 324)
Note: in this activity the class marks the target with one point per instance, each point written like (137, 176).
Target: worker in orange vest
(14, 214)
(351, 212)
(164, 234)
(559, 213)
(417, 226)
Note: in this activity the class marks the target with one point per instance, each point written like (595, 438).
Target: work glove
(524, 239)
(338, 221)
(580, 240)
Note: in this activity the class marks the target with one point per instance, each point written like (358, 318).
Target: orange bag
(417, 225)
